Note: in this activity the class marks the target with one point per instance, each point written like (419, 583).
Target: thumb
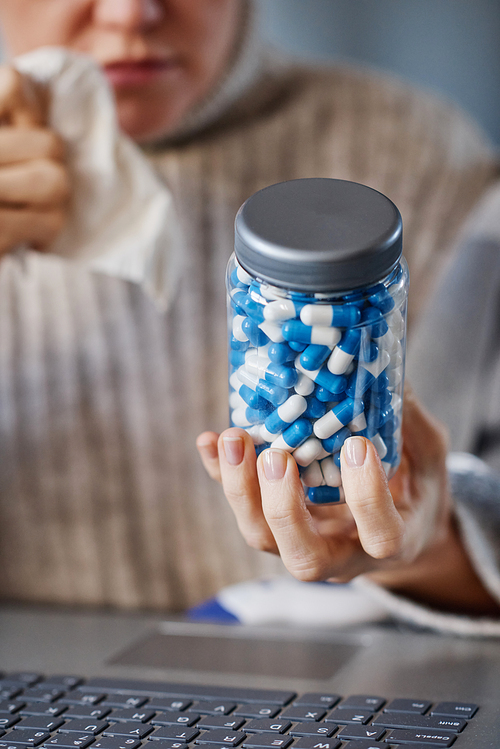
(380, 526)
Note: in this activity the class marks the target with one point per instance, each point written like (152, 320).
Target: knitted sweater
(103, 500)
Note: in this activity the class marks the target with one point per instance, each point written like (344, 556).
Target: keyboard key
(455, 709)
(42, 708)
(85, 712)
(413, 720)
(348, 716)
(167, 744)
(116, 742)
(407, 706)
(28, 736)
(267, 741)
(367, 744)
(421, 736)
(317, 699)
(84, 726)
(42, 695)
(219, 736)
(311, 742)
(11, 706)
(40, 722)
(7, 720)
(172, 733)
(70, 740)
(82, 700)
(297, 712)
(256, 711)
(122, 714)
(130, 702)
(214, 707)
(169, 704)
(221, 721)
(372, 733)
(314, 730)
(9, 693)
(363, 702)
(265, 724)
(134, 730)
(172, 718)
(25, 677)
(63, 681)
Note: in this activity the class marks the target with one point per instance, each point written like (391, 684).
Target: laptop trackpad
(239, 650)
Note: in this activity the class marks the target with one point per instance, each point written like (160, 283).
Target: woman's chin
(145, 126)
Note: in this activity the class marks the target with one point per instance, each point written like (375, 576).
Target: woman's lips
(138, 72)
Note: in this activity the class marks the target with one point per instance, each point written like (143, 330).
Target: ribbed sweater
(103, 500)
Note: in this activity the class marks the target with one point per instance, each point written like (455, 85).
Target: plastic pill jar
(317, 294)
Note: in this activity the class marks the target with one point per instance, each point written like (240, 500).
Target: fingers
(20, 103)
(380, 527)
(424, 437)
(24, 144)
(305, 553)
(241, 487)
(38, 228)
(206, 444)
(40, 182)
(34, 183)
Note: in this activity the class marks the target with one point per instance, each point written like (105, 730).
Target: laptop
(78, 679)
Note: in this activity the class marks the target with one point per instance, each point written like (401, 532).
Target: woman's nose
(128, 13)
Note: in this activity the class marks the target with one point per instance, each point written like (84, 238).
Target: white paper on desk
(121, 217)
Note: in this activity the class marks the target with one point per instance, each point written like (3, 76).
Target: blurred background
(450, 46)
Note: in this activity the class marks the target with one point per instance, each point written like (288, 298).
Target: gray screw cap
(318, 235)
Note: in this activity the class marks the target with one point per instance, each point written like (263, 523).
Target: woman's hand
(34, 183)
(399, 532)
(383, 525)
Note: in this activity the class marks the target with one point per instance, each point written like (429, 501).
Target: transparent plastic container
(317, 294)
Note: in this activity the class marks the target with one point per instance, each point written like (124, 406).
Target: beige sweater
(103, 500)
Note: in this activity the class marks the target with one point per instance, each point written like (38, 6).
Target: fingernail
(354, 451)
(274, 465)
(208, 449)
(233, 450)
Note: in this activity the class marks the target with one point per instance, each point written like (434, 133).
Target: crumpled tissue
(121, 215)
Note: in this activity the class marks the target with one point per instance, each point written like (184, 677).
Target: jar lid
(318, 235)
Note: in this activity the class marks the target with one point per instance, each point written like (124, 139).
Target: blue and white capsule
(280, 352)
(296, 331)
(281, 309)
(338, 315)
(278, 374)
(375, 319)
(344, 352)
(312, 476)
(331, 472)
(275, 394)
(304, 384)
(338, 417)
(294, 436)
(314, 356)
(324, 495)
(283, 416)
(310, 450)
(335, 384)
(334, 443)
(381, 298)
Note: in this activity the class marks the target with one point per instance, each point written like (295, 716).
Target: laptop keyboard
(74, 713)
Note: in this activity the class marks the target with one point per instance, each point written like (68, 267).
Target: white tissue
(121, 216)
(286, 600)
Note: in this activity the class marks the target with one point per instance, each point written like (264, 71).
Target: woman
(101, 499)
